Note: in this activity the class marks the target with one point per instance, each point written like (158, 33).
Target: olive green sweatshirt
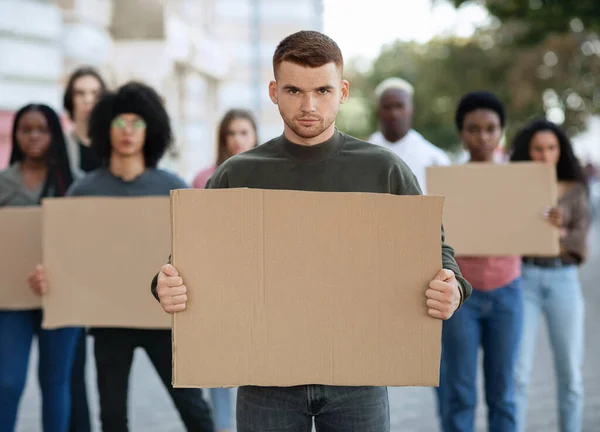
(340, 164)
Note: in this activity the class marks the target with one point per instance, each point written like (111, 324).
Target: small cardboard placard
(100, 255)
(20, 252)
(497, 209)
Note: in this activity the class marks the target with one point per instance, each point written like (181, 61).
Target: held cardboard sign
(20, 252)
(101, 255)
(288, 288)
(496, 209)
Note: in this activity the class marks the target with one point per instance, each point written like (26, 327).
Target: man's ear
(273, 91)
(344, 91)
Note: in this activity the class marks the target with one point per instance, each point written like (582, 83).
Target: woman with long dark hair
(84, 87)
(39, 168)
(551, 286)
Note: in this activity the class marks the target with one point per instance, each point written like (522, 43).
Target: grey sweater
(13, 191)
(101, 182)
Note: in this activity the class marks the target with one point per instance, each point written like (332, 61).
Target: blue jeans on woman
(492, 320)
(556, 294)
(56, 351)
(222, 408)
(80, 411)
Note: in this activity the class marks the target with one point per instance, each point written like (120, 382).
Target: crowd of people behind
(113, 148)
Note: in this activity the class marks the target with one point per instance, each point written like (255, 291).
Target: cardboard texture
(289, 288)
(496, 209)
(101, 255)
(20, 252)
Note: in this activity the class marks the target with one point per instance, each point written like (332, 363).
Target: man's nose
(308, 103)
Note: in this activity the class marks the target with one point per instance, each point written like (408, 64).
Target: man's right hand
(170, 290)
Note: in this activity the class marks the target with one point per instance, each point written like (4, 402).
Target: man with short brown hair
(313, 155)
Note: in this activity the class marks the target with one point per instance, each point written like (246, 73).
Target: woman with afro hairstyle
(130, 131)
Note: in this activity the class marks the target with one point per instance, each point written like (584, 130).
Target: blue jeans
(556, 294)
(56, 351)
(492, 320)
(292, 409)
(80, 412)
(222, 407)
(439, 398)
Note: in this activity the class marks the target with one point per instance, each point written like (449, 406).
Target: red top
(202, 177)
(490, 273)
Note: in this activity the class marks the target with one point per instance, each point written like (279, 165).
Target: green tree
(441, 72)
(534, 20)
(556, 55)
(558, 75)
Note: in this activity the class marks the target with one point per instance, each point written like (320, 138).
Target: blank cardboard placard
(20, 252)
(101, 255)
(288, 288)
(496, 209)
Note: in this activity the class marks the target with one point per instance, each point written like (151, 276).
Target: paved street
(412, 410)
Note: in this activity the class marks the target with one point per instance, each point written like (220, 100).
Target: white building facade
(202, 56)
(251, 30)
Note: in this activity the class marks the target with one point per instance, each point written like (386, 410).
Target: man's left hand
(443, 295)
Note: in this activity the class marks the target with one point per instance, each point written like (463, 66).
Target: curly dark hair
(59, 176)
(478, 100)
(568, 167)
(132, 98)
(79, 73)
